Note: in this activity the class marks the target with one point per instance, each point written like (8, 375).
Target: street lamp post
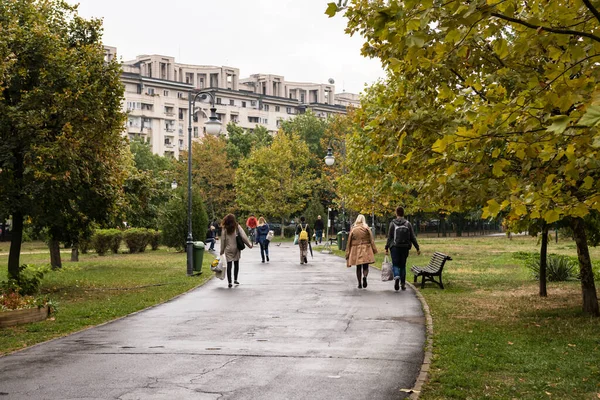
(330, 160)
(213, 127)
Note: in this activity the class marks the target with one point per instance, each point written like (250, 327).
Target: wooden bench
(433, 269)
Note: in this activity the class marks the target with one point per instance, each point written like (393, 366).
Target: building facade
(156, 100)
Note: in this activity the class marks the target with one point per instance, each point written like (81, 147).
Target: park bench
(433, 269)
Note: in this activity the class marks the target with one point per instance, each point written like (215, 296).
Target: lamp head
(329, 159)
(213, 125)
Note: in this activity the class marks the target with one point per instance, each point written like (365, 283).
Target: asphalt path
(288, 331)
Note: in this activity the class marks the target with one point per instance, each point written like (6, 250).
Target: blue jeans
(318, 236)
(399, 256)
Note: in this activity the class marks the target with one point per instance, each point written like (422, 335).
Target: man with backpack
(400, 239)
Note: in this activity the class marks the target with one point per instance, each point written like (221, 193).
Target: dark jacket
(261, 233)
(306, 227)
(392, 229)
(319, 225)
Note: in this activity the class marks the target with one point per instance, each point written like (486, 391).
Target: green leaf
(591, 116)
(332, 9)
(559, 124)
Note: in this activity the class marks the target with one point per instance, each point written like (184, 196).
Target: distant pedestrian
(400, 239)
(262, 230)
(231, 229)
(303, 232)
(319, 230)
(211, 236)
(360, 249)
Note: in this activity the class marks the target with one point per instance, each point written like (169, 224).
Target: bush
(154, 239)
(106, 239)
(560, 268)
(28, 282)
(173, 219)
(137, 239)
(289, 231)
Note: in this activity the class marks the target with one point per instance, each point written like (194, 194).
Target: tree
(275, 180)
(213, 174)
(60, 121)
(519, 80)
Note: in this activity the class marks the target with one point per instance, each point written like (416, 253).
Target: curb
(424, 372)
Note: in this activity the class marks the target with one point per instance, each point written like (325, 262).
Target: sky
(293, 38)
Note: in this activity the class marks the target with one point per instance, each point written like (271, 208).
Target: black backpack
(402, 235)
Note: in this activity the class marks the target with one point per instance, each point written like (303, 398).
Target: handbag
(270, 235)
(239, 241)
(387, 273)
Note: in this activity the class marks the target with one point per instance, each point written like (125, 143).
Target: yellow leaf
(552, 216)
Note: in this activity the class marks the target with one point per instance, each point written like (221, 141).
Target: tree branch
(546, 28)
(592, 9)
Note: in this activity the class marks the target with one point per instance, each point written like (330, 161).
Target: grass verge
(99, 289)
(494, 337)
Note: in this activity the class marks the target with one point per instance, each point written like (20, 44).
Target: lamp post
(213, 127)
(330, 160)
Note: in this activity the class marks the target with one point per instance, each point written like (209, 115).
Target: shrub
(154, 239)
(173, 219)
(101, 241)
(28, 282)
(560, 268)
(137, 239)
(289, 231)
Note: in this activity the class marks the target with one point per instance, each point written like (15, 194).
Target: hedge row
(136, 239)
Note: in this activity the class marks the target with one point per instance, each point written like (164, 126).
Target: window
(218, 100)
(165, 93)
(243, 104)
(231, 102)
(266, 107)
(277, 108)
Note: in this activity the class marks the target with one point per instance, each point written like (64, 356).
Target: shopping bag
(221, 269)
(387, 273)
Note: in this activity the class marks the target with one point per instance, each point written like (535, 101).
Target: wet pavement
(288, 331)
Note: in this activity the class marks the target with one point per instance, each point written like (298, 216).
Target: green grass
(100, 289)
(494, 337)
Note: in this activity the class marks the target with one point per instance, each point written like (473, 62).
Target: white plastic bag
(220, 269)
(387, 273)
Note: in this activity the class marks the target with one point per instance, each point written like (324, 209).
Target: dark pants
(264, 249)
(212, 243)
(399, 256)
(362, 270)
(235, 272)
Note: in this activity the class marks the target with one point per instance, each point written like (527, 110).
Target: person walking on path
(400, 239)
(229, 247)
(360, 250)
(318, 230)
(261, 237)
(303, 232)
(251, 224)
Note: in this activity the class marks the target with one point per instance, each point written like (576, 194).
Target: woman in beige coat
(231, 229)
(361, 249)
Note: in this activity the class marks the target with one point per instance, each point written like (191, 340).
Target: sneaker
(364, 282)
(397, 284)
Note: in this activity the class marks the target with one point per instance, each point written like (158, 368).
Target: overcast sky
(293, 38)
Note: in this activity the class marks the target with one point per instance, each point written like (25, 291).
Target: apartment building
(156, 100)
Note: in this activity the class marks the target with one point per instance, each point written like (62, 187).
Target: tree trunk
(15, 245)
(55, 260)
(75, 252)
(544, 261)
(588, 288)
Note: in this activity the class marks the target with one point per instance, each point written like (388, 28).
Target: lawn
(494, 337)
(99, 289)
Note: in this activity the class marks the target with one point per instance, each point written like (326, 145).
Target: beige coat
(229, 244)
(360, 248)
